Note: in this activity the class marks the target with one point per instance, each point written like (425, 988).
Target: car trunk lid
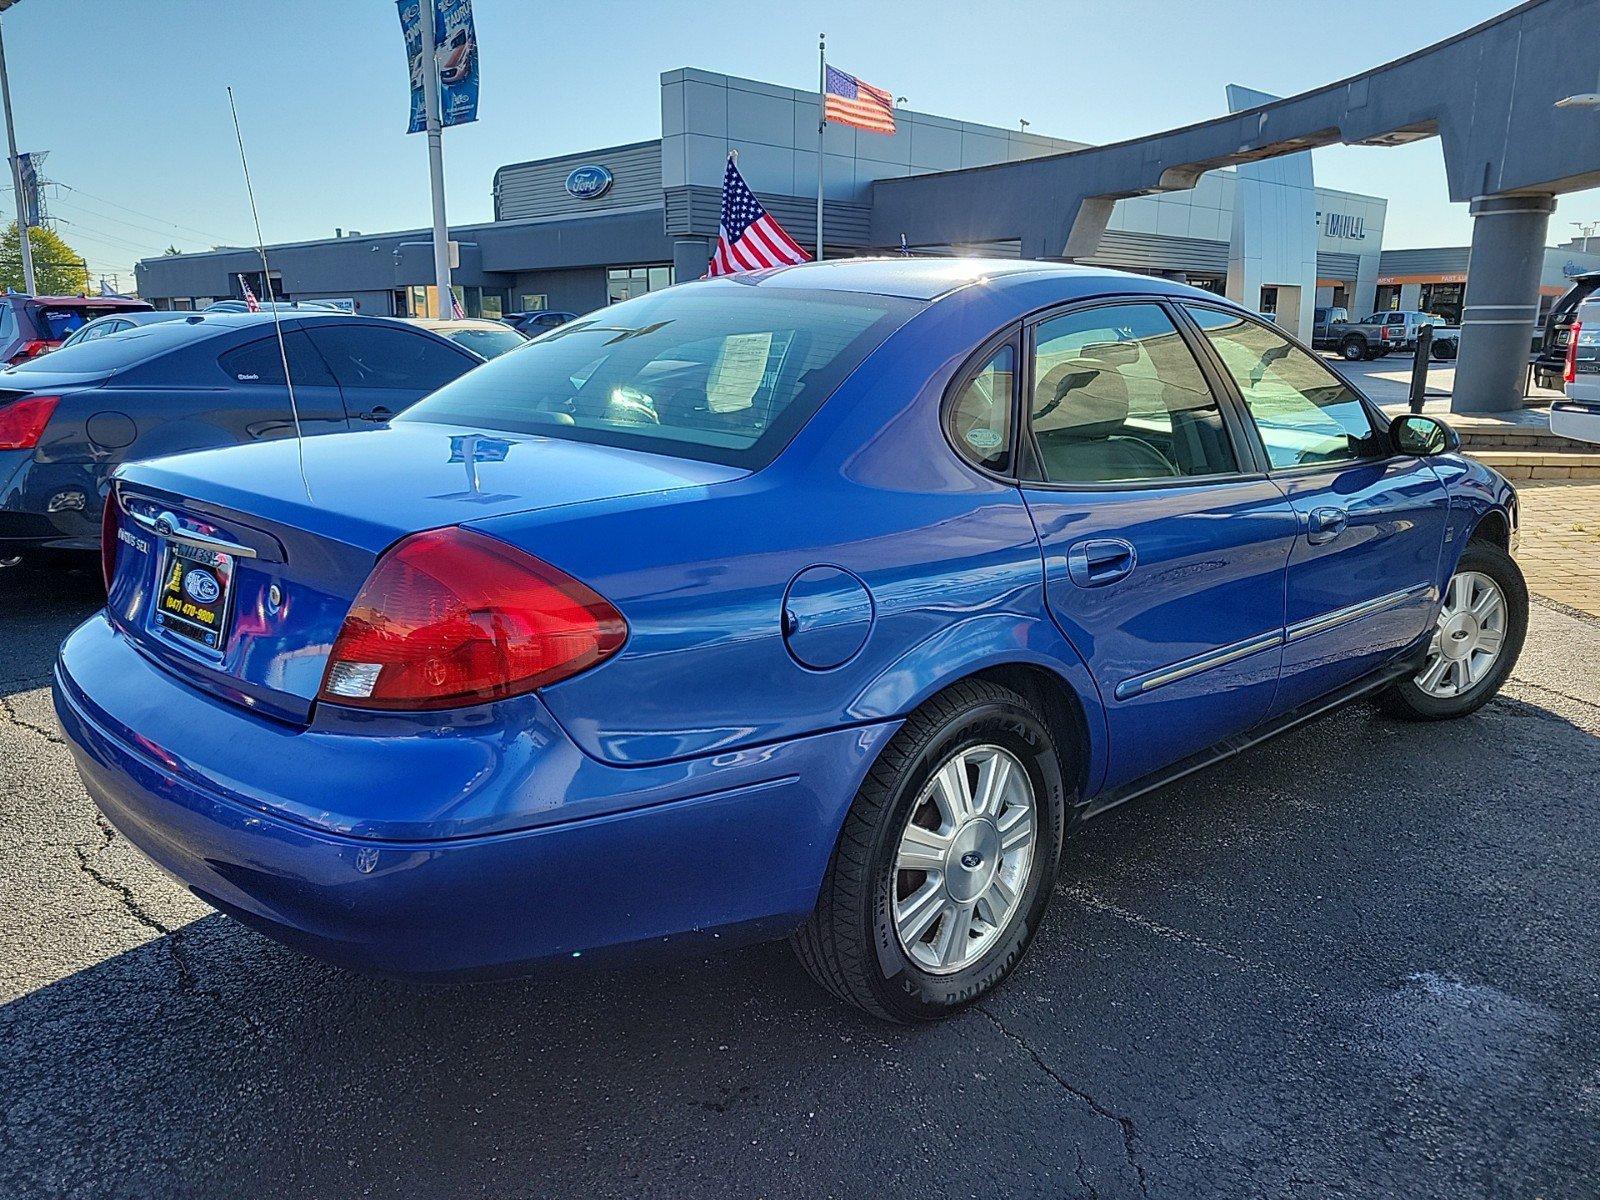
(236, 573)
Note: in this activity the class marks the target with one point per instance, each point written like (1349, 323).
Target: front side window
(725, 375)
(1118, 397)
(979, 418)
(1305, 413)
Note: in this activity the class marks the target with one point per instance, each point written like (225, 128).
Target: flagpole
(822, 125)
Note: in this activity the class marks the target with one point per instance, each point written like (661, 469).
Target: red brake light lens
(29, 350)
(451, 618)
(22, 422)
(108, 539)
(1571, 373)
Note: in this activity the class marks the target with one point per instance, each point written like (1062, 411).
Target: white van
(1578, 416)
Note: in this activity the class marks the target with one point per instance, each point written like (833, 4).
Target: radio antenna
(272, 305)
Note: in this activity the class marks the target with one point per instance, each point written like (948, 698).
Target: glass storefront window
(624, 283)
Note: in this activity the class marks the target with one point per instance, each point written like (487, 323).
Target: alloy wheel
(1467, 636)
(963, 860)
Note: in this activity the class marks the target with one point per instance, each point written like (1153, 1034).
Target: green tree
(58, 269)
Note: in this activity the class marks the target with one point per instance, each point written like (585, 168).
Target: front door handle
(1326, 523)
(1099, 561)
(377, 413)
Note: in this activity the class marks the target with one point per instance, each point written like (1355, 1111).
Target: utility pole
(426, 14)
(16, 170)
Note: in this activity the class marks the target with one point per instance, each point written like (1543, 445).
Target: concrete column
(1502, 301)
(690, 257)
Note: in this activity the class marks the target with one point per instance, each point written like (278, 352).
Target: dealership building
(581, 230)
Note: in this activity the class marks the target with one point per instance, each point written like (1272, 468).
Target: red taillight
(22, 422)
(450, 617)
(1383, 333)
(108, 539)
(1571, 373)
(29, 350)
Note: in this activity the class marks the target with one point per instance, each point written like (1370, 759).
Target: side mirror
(1419, 437)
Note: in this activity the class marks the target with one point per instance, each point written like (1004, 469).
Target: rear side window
(979, 418)
(377, 356)
(1118, 397)
(8, 323)
(725, 374)
(1305, 413)
(260, 363)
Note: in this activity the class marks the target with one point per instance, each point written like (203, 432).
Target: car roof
(930, 279)
(99, 301)
(444, 326)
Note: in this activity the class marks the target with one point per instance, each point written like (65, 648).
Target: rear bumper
(732, 848)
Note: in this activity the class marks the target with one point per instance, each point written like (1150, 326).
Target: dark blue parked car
(67, 419)
(822, 601)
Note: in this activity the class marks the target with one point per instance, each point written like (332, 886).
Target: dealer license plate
(196, 591)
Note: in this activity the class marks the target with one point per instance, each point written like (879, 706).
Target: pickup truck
(1332, 329)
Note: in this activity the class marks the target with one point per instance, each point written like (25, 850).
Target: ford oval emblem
(589, 183)
(202, 586)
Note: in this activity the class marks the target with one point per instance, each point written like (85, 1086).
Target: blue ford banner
(455, 51)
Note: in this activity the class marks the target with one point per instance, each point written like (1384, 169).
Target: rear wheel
(1354, 349)
(946, 860)
(1475, 643)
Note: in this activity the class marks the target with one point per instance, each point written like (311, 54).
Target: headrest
(1089, 400)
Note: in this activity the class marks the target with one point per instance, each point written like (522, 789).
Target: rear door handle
(1099, 561)
(1326, 523)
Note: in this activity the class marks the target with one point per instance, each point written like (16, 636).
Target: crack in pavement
(1099, 904)
(188, 982)
(1130, 1134)
(1539, 687)
(11, 716)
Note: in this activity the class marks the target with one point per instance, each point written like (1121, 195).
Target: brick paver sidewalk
(1560, 551)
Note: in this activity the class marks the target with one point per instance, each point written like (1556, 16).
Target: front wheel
(946, 860)
(1475, 642)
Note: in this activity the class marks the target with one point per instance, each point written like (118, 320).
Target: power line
(139, 213)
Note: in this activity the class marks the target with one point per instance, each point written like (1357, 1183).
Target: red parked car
(35, 325)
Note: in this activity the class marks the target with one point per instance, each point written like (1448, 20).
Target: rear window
(488, 343)
(722, 374)
(62, 319)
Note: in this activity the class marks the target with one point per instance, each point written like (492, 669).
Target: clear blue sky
(129, 97)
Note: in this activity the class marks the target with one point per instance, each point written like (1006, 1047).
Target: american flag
(748, 238)
(455, 308)
(848, 101)
(250, 302)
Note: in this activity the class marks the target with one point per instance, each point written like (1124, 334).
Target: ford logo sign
(201, 586)
(589, 183)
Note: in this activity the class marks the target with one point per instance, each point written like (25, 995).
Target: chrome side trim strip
(1353, 612)
(1137, 686)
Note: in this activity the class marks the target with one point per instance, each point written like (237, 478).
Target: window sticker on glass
(736, 375)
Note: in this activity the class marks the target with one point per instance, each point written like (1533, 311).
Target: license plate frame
(194, 596)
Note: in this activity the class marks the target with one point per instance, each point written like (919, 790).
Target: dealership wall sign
(589, 183)
(1343, 225)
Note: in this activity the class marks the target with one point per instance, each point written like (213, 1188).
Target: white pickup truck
(1578, 415)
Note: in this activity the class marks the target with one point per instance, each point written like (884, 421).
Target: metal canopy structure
(1489, 94)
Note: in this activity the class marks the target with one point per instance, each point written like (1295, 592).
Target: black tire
(1353, 349)
(849, 944)
(1407, 699)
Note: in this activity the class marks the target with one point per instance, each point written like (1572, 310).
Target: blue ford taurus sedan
(819, 602)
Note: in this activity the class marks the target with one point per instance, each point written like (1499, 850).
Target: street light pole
(16, 173)
(426, 10)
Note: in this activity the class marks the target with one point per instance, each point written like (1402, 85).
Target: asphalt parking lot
(1363, 960)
